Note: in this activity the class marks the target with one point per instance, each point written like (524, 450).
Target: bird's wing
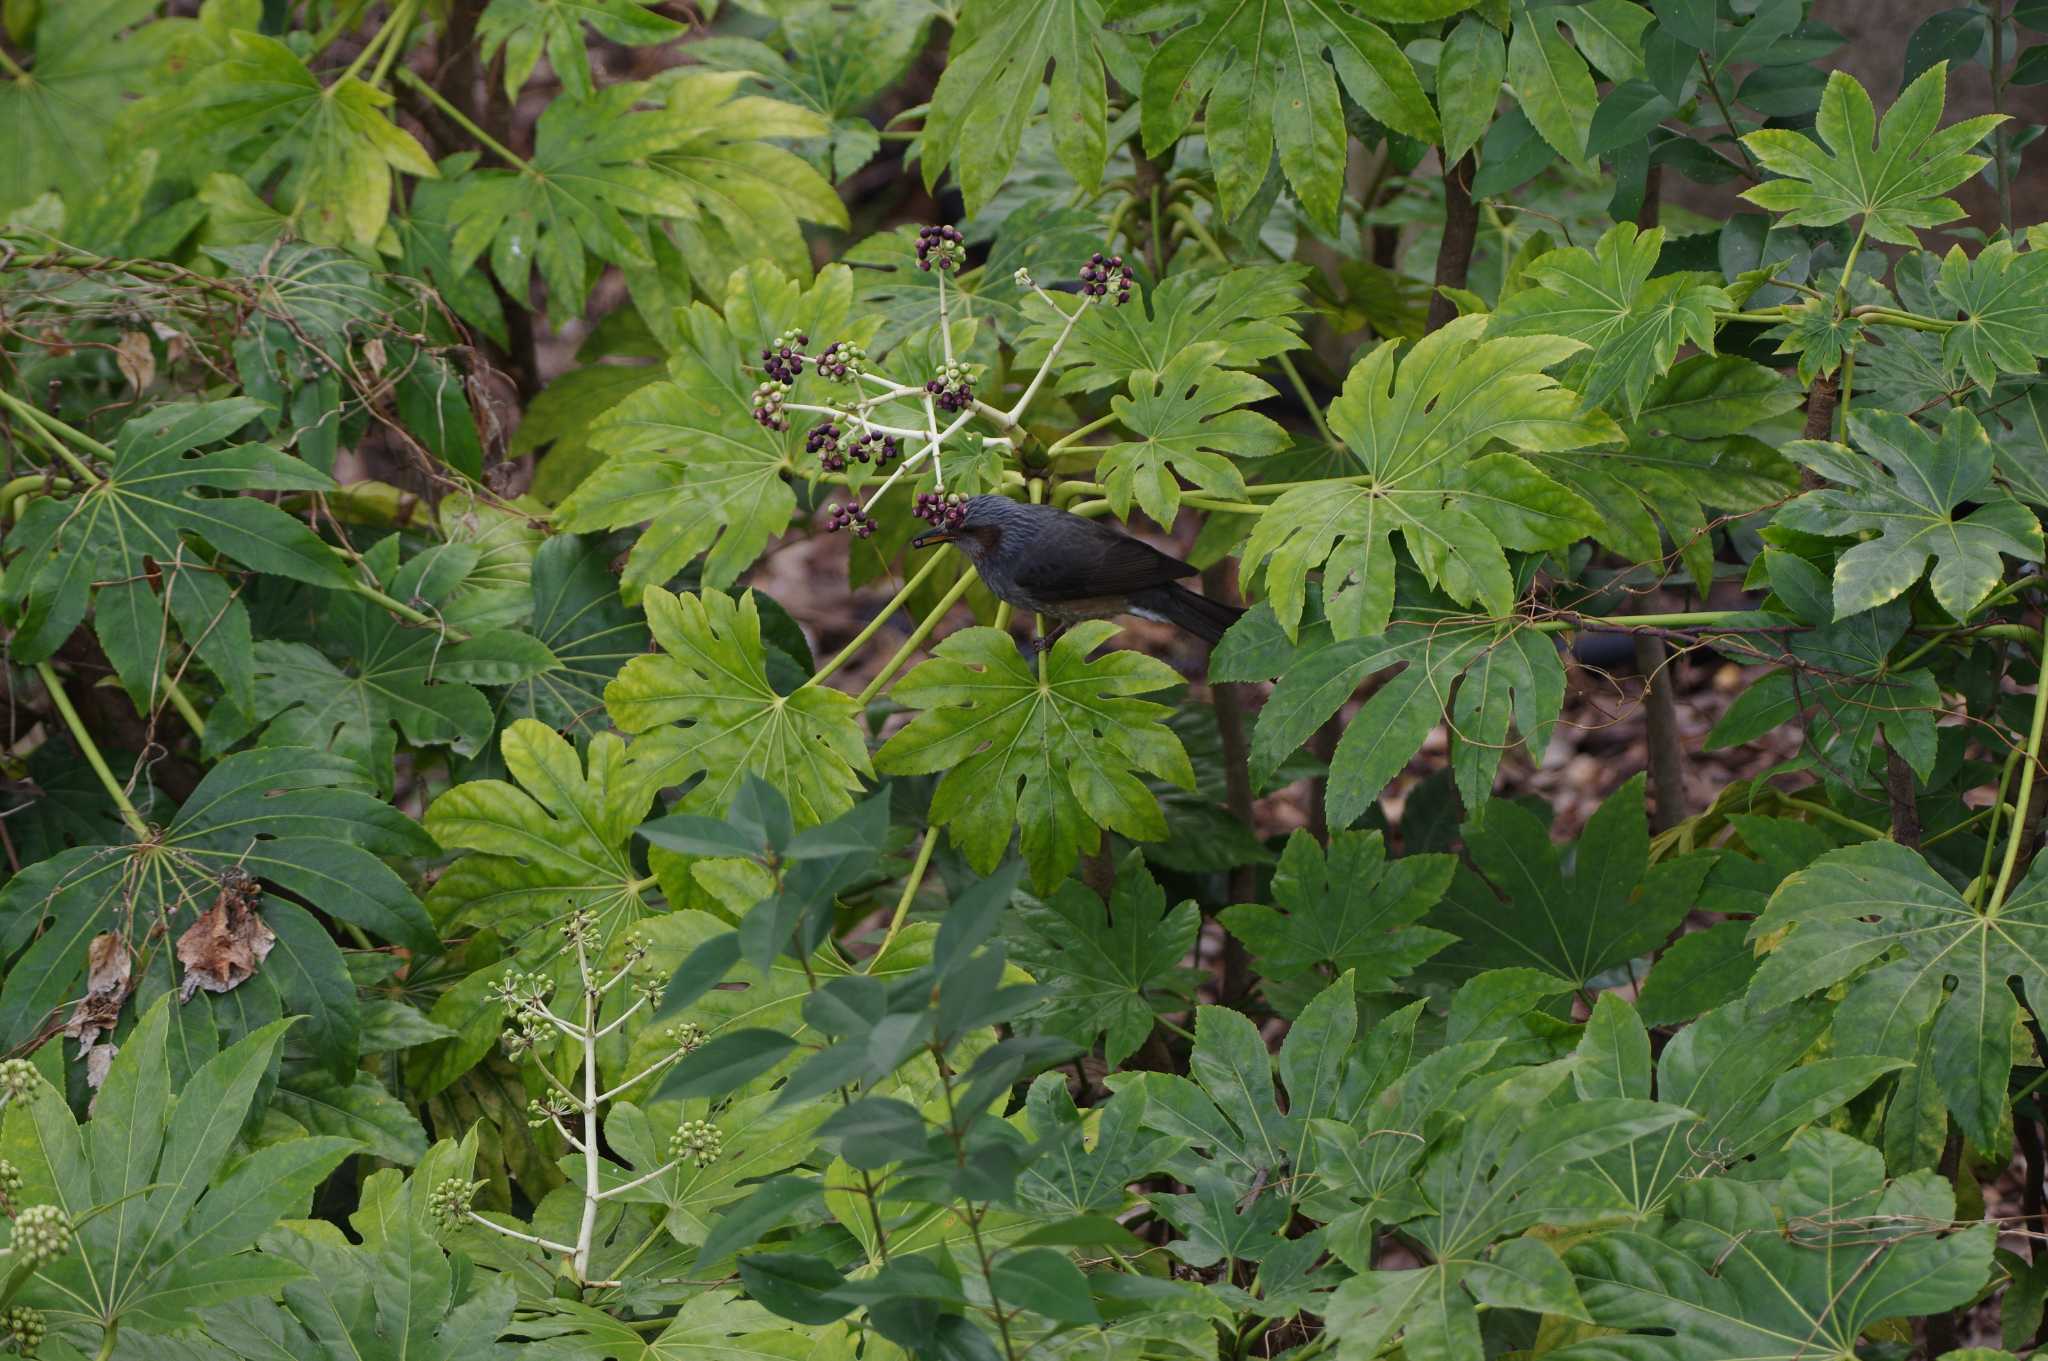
(1103, 563)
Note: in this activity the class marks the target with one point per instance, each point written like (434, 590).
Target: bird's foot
(1044, 641)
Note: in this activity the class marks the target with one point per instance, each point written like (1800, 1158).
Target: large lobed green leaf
(1056, 755)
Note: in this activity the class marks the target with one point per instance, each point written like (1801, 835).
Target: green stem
(874, 626)
(342, 23)
(402, 21)
(1827, 814)
(1728, 118)
(185, 708)
(48, 675)
(1892, 316)
(1842, 400)
(916, 638)
(2023, 800)
(407, 612)
(1999, 137)
(54, 435)
(910, 887)
(113, 1332)
(1681, 619)
(13, 68)
(1991, 833)
(29, 485)
(408, 76)
(1848, 273)
(378, 41)
(1074, 436)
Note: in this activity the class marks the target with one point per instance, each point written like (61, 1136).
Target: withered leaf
(228, 941)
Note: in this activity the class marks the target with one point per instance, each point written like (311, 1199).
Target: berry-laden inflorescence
(17, 1078)
(697, 1140)
(768, 400)
(943, 509)
(842, 360)
(784, 360)
(10, 1185)
(24, 1327)
(1104, 272)
(953, 389)
(42, 1233)
(941, 248)
(548, 1109)
(685, 1036)
(452, 1200)
(849, 515)
(824, 442)
(874, 447)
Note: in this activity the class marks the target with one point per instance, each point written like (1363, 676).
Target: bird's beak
(934, 537)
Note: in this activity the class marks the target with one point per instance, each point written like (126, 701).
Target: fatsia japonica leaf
(398, 1298)
(1728, 1279)
(604, 168)
(1269, 75)
(1508, 674)
(993, 73)
(577, 616)
(1862, 904)
(1190, 421)
(1608, 298)
(685, 455)
(1514, 1162)
(373, 672)
(1892, 176)
(82, 58)
(1057, 756)
(1553, 86)
(305, 821)
(1686, 453)
(178, 1219)
(1107, 970)
(526, 30)
(705, 706)
(1248, 311)
(2003, 296)
(1749, 1074)
(1349, 910)
(1911, 506)
(1843, 674)
(146, 506)
(1515, 906)
(1421, 434)
(338, 140)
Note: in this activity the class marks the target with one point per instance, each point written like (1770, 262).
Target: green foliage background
(451, 911)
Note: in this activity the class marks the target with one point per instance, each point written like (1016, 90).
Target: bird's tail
(1199, 615)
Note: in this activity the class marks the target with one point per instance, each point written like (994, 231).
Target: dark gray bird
(1071, 568)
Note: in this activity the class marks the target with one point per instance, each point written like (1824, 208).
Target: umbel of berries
(785, 359)
(874, 447)
(944, 509)
(941, 248)
(850, 515)
(24, 1327)
(953, 389)
(768, 400)
(697, 1140)
(11, 1182)
(452, 1200)
(1104, 272)
(842, 360)
(824, 442)
(42, 1233)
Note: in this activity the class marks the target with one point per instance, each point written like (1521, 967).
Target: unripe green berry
(42, 1233)
(24, 1327)
(18, 1077)
(697, 1140)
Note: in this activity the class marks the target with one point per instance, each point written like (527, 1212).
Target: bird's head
(979, 529)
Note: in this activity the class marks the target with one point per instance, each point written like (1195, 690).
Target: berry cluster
(842, 360)
(874, 447)
(1104, 272)
(452, 1200)
(941, 248)
(524, 995)
(945, 510)
(10, 1185)
(547, 1110)
(953, 389)
(824, 442)
(18, 1077)
(785, 360)
(850, 515)
(685, 1036)
(768, 400)
(42, 1233)
(24, 1327)
(697, 1140)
